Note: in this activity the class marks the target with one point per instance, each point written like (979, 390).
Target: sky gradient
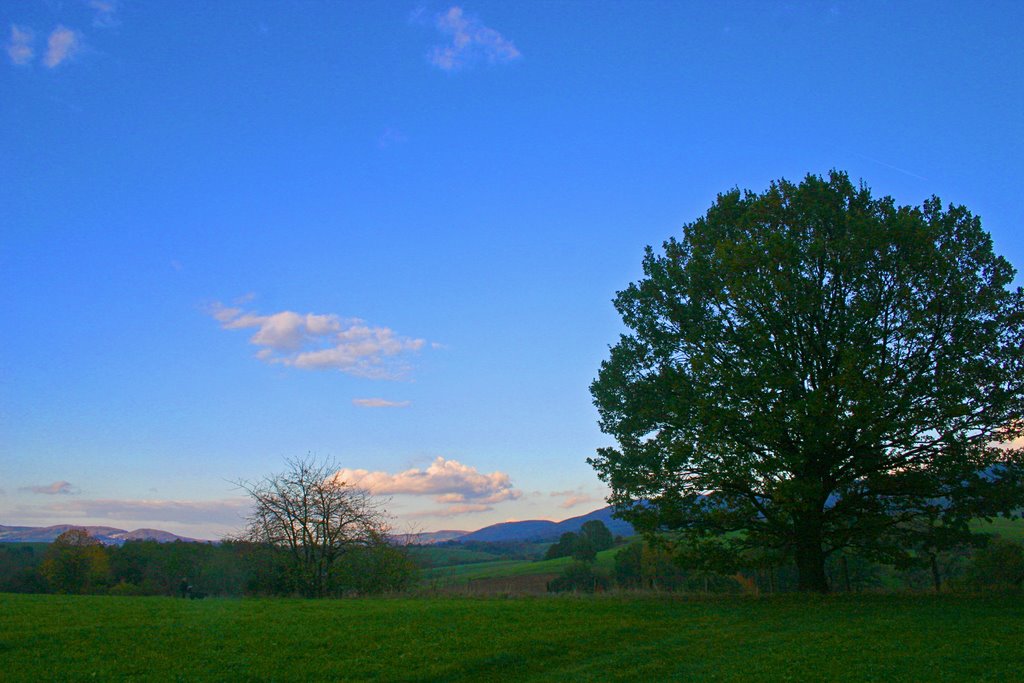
(389, 234)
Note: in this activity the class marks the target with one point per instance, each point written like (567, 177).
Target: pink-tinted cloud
(454, 510)
(57, 488)
(448, 481)
(469, 41)
(227, 512)
(574, 498)
(61, 46)
(105, 13)
(19, 45)
(322, 342)
(379, 403)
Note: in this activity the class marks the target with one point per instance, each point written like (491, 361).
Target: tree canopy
(817, 369)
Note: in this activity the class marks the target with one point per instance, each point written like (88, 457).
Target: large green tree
(817, 369)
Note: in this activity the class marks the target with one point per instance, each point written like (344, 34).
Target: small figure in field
(184, 588)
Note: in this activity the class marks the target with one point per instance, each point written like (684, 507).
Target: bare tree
(316, 518)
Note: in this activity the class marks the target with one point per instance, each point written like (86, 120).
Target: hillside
(540, 530)
(104, 534)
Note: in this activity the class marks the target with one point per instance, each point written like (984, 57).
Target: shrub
(579, 577)
(1000, 564)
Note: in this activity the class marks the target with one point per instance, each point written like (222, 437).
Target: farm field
(860, 637)
(464, 574)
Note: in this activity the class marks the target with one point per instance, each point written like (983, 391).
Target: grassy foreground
(875, 637)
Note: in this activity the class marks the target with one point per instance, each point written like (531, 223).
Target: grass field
(1011, 529)
(798, 638)
(461, 574)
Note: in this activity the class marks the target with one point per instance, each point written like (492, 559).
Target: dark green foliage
(75, 563)
(579, 577)
(584, 550)
(819, 370)
(628, 566)
(374, 569)
(593, 537)
(565, 546)
(231, 568)
(1000, 564)
(597, 534)
(850, 572)
(19, 568)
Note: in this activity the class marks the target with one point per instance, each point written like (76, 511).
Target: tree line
(77, 563)
(990, 563)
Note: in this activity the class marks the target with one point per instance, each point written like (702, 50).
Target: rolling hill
(541, 530)
(104, 534)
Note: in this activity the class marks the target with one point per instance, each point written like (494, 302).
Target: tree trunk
(810, 558)
(936, 578)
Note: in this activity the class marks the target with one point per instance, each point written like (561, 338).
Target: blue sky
(389, 233)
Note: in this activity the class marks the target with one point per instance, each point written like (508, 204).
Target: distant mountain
(542, 531)
(104, 534)
(430, 537)
(536, 531)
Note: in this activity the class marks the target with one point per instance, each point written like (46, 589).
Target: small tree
(1000, 564)
(598, 534)
(584, 551)
(565, 546)
(579, 577)
(629, 566)
(316, 518)
(75, 563)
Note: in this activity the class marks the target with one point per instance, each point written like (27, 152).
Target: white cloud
(19, 46)
(62, 44)
(57, 488)
(322, 342)
(470, 41)
(449, 481)
(379, 403)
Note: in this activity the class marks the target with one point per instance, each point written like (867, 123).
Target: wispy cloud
(322, 342)
(391, 137)
(449, 481)
(105, 13)
(895, 168)
(469, 42)
(57, 488)
(61, 46)
(229, 511)
(19, 45)
(452, 511)
(379, 403)
(573, 498)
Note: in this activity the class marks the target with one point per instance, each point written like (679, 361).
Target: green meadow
(903, 637)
